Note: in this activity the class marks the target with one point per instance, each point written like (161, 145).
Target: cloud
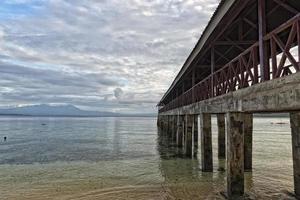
(97, 54)
(118, 93)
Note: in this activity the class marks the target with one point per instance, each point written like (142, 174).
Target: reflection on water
(181, 174)
(125, 158)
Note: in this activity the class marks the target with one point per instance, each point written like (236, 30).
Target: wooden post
(221, 136)
(212, 69)
(183, 91)
(206, 142)
(248, 138)
(295, 126)
(189, 121)
(235, 155)
(195, 138)
(193, 84)
(262, 30)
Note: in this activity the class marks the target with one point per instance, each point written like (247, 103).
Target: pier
(246, 61)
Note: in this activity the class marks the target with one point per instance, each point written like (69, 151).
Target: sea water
(125, 158)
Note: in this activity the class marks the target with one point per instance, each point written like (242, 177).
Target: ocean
(125, 158)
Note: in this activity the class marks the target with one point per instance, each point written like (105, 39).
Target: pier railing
(283, 43)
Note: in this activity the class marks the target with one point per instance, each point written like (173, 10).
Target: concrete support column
(235, 155)
(166, 124)
(221, 136)
(174, 133)
(188, 146)
(169, 122)
(171, 126)
(180, 130)
(162, 123)
(206, 142)
(184, 133)
(196, 135)
(248, 140)
(170, 129)
(165, 128)
(295, 126)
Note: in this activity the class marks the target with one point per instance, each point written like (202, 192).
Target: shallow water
(123, 158)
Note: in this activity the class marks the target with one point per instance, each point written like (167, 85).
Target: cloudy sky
(106, 55)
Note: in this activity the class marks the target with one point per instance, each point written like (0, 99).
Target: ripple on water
(122, 158)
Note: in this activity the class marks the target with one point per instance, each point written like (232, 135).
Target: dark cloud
(118, 93)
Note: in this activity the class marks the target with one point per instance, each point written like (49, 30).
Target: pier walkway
(246, 61)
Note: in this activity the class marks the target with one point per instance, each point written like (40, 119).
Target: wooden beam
(203, 66)
(212, 54)
(231, 20)
(230, 42)
(228, 50)
(232, 26)
(274, 9)
(237, 46)
(253, 25)
(240, 29)
(263, 55)
(222, 56)
(286, 6)
(285, 49)
(193, 84)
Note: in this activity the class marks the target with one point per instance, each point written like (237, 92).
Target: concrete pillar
(196, 135)
(169, 131)
(248, 138)
(174, 133)
(188, 146)
(235, 155)
(180, 130)
(295, 126)
(184, 133)
(162, 119)
(206, 142)
(221, 136)
(171, 128)
(166, 125)
(162, 123)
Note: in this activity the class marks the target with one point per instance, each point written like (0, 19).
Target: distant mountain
(48, 110)
(64, 111)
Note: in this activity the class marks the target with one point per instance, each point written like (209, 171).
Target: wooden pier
(246, 61)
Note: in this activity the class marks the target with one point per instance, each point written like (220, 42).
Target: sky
(102, 55)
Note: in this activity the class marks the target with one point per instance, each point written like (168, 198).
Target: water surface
(124, 158)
